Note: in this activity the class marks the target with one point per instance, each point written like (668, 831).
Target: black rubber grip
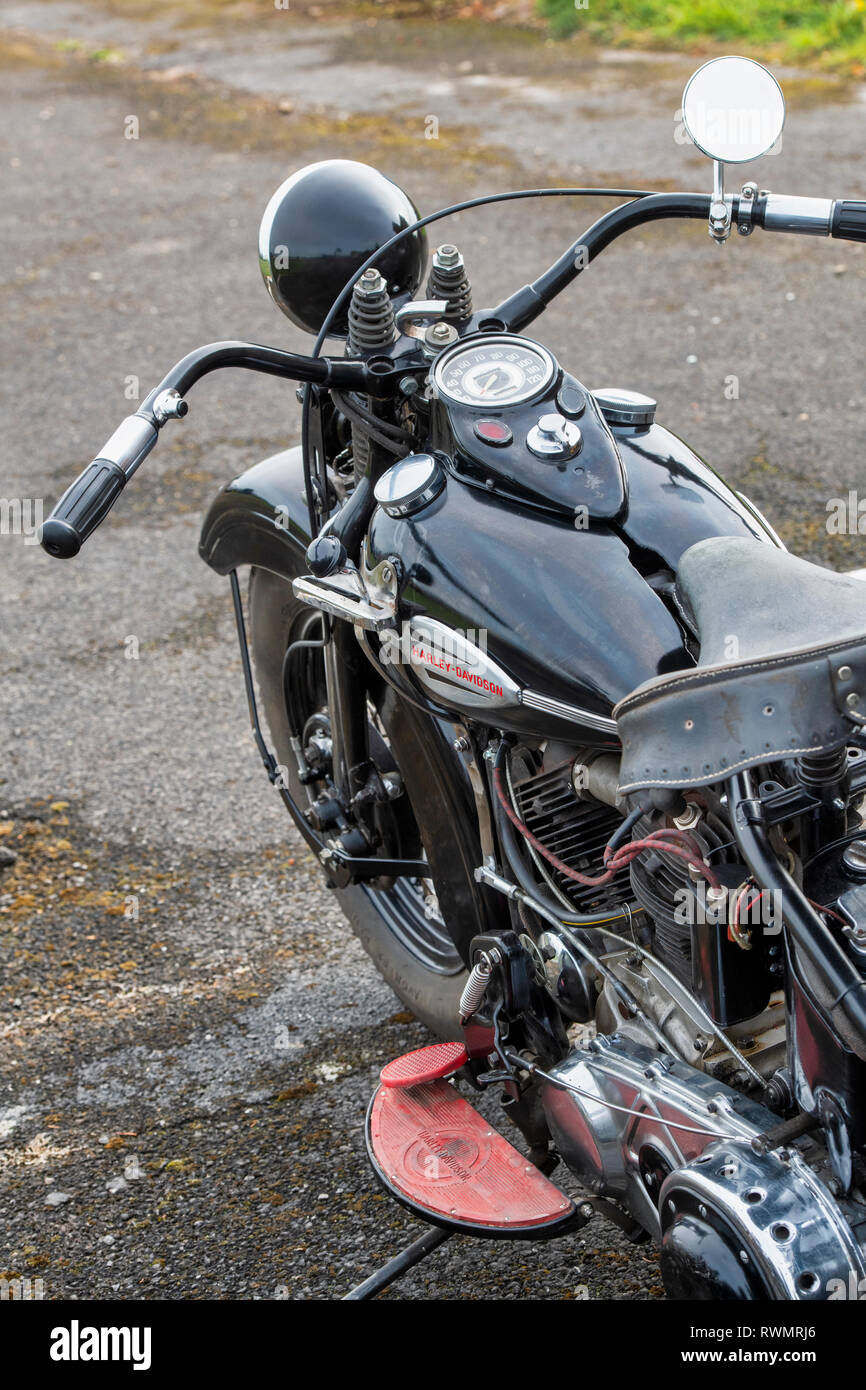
(82, 507)
(849, 221)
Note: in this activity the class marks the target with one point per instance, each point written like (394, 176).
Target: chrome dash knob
(554, 437)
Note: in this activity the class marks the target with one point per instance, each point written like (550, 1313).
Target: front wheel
(417, 931)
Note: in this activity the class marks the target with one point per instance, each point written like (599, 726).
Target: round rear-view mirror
(733, 109)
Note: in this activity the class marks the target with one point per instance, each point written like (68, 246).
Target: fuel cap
(410, 485)
(622, 407)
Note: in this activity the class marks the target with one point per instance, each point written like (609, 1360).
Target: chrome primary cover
(680, 1154)
(626, 1157)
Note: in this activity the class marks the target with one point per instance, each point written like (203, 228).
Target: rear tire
(422, 957)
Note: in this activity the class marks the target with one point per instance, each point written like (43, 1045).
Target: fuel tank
(570, 616)
(573, 617)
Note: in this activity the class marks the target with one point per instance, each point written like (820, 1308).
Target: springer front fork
(344, 863)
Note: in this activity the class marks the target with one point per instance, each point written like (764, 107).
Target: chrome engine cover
(627, 1157)
(733, 1221)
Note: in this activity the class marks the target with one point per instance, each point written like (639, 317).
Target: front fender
(259, 518)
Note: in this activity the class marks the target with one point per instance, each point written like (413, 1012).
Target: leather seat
(782, 668)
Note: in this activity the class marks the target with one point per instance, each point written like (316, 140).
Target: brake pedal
(425, 1064)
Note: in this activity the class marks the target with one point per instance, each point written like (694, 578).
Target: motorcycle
(596, 815)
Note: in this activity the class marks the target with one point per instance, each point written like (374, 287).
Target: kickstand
(412, 1255)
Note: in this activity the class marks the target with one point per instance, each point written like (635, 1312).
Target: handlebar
(849, 221)
(90, 498)
(772, 211)
(521, 308)
(843, 220)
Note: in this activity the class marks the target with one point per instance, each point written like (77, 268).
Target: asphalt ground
(190, 1032)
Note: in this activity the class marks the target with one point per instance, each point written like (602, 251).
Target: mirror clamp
(746, 207)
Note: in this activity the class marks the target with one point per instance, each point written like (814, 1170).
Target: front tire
(418, 948)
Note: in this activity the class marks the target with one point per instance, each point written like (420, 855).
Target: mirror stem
(720, 208)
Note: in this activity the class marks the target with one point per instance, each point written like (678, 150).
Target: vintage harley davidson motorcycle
(596, 813)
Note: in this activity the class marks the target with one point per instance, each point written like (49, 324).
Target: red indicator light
(493, 432)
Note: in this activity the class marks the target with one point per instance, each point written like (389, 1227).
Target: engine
(568, 804)
(751, 1183)
(697, 980)
(574, 827)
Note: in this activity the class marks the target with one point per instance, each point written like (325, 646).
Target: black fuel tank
(675, 499)
(567, 613)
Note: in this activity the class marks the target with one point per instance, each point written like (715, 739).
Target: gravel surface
(191, 1033)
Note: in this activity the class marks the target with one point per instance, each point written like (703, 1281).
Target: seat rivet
(844, 673)
(852, 700)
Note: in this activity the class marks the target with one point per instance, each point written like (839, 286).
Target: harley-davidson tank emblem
(458, 670)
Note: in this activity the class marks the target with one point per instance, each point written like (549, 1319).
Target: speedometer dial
(495, 371)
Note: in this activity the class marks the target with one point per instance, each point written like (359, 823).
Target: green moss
(831, 33)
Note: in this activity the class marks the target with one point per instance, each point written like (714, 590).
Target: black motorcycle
(594, 811)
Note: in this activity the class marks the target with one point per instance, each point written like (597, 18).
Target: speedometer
(495, 371)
